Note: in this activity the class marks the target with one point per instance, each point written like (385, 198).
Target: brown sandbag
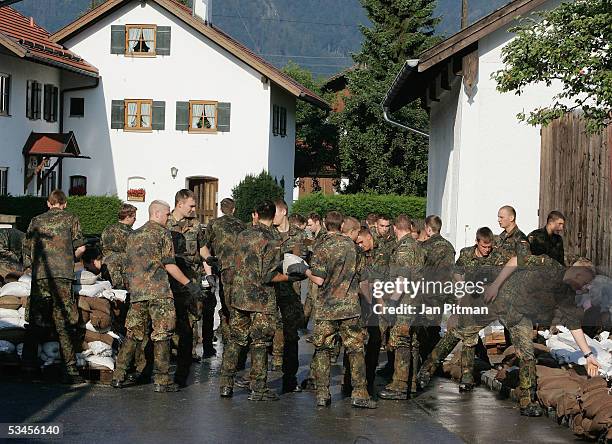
(100, 320)
(92, 336)
(551, 397)
(568, 405)
(10, 302)
(91, 304)
(603, 420)
(577, 426)
(597, 403)
(593, 384)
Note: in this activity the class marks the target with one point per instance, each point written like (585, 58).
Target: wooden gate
(205, 189)
(575, 179)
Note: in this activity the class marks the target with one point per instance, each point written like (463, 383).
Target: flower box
(136, 195)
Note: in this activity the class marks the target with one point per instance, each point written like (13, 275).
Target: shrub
(252, 190)
(359, 205)
(95, 212)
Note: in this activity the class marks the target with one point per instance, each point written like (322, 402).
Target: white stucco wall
(196, 69)
(282, 149)
(495, 159)
(16, 128)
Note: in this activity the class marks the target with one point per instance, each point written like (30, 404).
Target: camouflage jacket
(549, 244)
(114, 241)
(406, 261)
(335, 261)
(383, 247)
(475, 268)
(220, 238)
(187, 239)
(536, 290)
(511, 244)
(149, 249)
(50, 243)
(11, 241)
(439, 258)
(256, 257)
(294, 242)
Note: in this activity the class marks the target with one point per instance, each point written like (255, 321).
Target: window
(140, 40)
(48, 182)
(78, 186)
(5, 90)
(77, 107)
(33, 100)
(138, 115)
(202, 116)
(279, 120)
(51, 100)
(3, 181)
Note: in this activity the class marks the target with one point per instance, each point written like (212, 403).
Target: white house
(480, 156)
(32, 72)
(177, 104)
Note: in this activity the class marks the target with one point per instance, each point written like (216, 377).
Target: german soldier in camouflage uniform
(150, 258)
(188, 239)
(11, 240)
(52, 242)
(114, 240)
(219, 242)
(547, 240)
(337, 311)
(406, 262)
(315, 231)
(512, 241)
(257, 257)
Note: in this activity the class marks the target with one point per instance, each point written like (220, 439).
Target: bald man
(512, 241)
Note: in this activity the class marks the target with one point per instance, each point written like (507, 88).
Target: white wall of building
(499, 156)
(16, 128)
(196, 69)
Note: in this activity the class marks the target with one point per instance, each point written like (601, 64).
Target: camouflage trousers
(278, 342)
(352, 335)
(309, 302)
(225, 294)
(245, 326)
(186, 317)
(52, 308)
(403, 340)
(292, 319)
(161, 315)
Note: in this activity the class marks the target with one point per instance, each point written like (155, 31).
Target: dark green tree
(375, 156)
(252, 190)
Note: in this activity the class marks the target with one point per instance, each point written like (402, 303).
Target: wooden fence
(575, 179)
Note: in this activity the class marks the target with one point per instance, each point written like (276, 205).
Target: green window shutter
(29, 90)
(283, 121)
(275, 120)
(37, 99)
(182, 116)
(47, 104)
(224, 111)
(117, 39)
(54, 103)
(163, 40)
(118, 114)
(159, 116)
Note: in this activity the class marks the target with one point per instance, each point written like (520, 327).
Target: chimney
(31, 22)
(203, 10)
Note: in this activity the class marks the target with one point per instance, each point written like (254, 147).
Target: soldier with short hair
(11, 245)
(547, 240)
(337, 311)
(53, 241)
(114, 239)
(150, 259)
(512, 241)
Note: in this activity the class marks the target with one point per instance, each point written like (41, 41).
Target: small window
(202, 116)
(3, 181)
(138, 115)
(283, 121)
(5, 93)
(78, 186)
(140, 40)
(77, 107)
(279, 120)
(33, 100)
(275, 120)
(51, 102)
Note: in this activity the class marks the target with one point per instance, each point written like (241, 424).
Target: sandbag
(92, 290)
(100, 320)
(94, 304)
(100, 348)
(7, 348)
(92, 336)
(85, 277)
(89, 326)
(25, 278)
(6, 313)
(10, 302)
(101, 361)
(20, 289)
(10, 323)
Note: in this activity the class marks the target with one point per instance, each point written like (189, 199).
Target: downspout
(401, 125)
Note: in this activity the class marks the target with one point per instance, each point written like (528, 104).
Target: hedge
(359, 205)
(95, 212)
(252, 190)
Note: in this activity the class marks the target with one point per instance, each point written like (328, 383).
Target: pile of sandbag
(13, 301)
(87, 284)
(95, 314)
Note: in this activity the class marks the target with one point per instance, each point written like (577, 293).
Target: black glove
(212, 283)
(297, 272)
(194, 290)
(212, 260)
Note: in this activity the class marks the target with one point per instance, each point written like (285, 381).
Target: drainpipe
(396, 123)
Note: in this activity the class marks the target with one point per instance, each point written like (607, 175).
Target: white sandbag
(50, 353)
(9, 323)
(18, 289)
(19, 349)
(92, 291)
(100, 348)
(89, 326)
(85, 277)
(291, 259)
(101, 361)
(25, 278)
(7, 348)
(114, 295)
(80, 360)
(6, 313)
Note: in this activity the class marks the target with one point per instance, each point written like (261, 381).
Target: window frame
(5, 92)
(282, 127)
(129, 53)
(53, 97)
(4, 180)
(213, 130)
(72, 185)
(70, 104)
(33, 99)
(139, 103)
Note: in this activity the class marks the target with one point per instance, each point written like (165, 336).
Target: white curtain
(132, 111)
(145, 115)
(196, 116)
(133, 37)
(210, 115)
(148, 35)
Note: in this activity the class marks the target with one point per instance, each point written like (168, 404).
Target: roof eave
(57, 64)
(12, 46)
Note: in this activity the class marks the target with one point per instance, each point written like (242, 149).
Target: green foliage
(570, 44)
(359, 205)
(252, 190)
(94, 212)
(375, 156)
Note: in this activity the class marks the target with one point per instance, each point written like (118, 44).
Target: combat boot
(263, 395)
(423, 378)
(71, 375)
(363, 403)
(466, 387)
(165, 388)
(394, 395)
(242, 382)
(323, 401)
(308, 384)
(226, 392)
(533, 410)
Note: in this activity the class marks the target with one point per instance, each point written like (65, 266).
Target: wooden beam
(464, 14)
(446, 76)
(457, 66)
(470, 72)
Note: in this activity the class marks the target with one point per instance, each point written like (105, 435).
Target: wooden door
(205, 189)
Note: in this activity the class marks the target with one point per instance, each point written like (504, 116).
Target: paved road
(99, 414)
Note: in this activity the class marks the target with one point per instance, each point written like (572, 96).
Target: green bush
(252, 190)
(359, 205)
(95, 212)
